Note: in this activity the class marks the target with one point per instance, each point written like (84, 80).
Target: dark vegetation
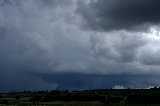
(101, 96)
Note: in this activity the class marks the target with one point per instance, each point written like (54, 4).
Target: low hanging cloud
(130, 15)
(42, 42)
(80, 81)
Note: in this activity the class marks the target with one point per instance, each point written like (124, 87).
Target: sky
(79, 44)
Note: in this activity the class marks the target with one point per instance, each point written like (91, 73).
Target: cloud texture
(121, 14)
(45, 42)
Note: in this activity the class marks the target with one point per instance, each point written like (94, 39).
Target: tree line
(105, 96)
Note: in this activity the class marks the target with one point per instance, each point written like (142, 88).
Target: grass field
(87, 105)
(81, 104)
(58, 103)
(74, 103)
(83, 98)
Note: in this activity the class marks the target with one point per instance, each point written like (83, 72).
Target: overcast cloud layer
(79, 44)
(121, 14)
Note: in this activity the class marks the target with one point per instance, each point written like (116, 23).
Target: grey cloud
(150, 56)
(36, 39)
(57, 2)
(83, 81)
(121, 14)
(3, 32)
(117, 46)
(4, 2)
(45, 37)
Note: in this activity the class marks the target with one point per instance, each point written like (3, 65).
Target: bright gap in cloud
(154, 33)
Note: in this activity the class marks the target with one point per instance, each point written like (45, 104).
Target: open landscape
(96, 97)
(79, 52)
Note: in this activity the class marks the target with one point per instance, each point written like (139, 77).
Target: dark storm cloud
(3, 32)
(119, 47)
(4, 2)
(121, 14)
(24, 30)
(45, 37)
(78, 81)
(57, 2)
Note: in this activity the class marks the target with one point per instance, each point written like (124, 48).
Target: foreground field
(97, 97)
(59, 103)
(78, 104)
(75, 103)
